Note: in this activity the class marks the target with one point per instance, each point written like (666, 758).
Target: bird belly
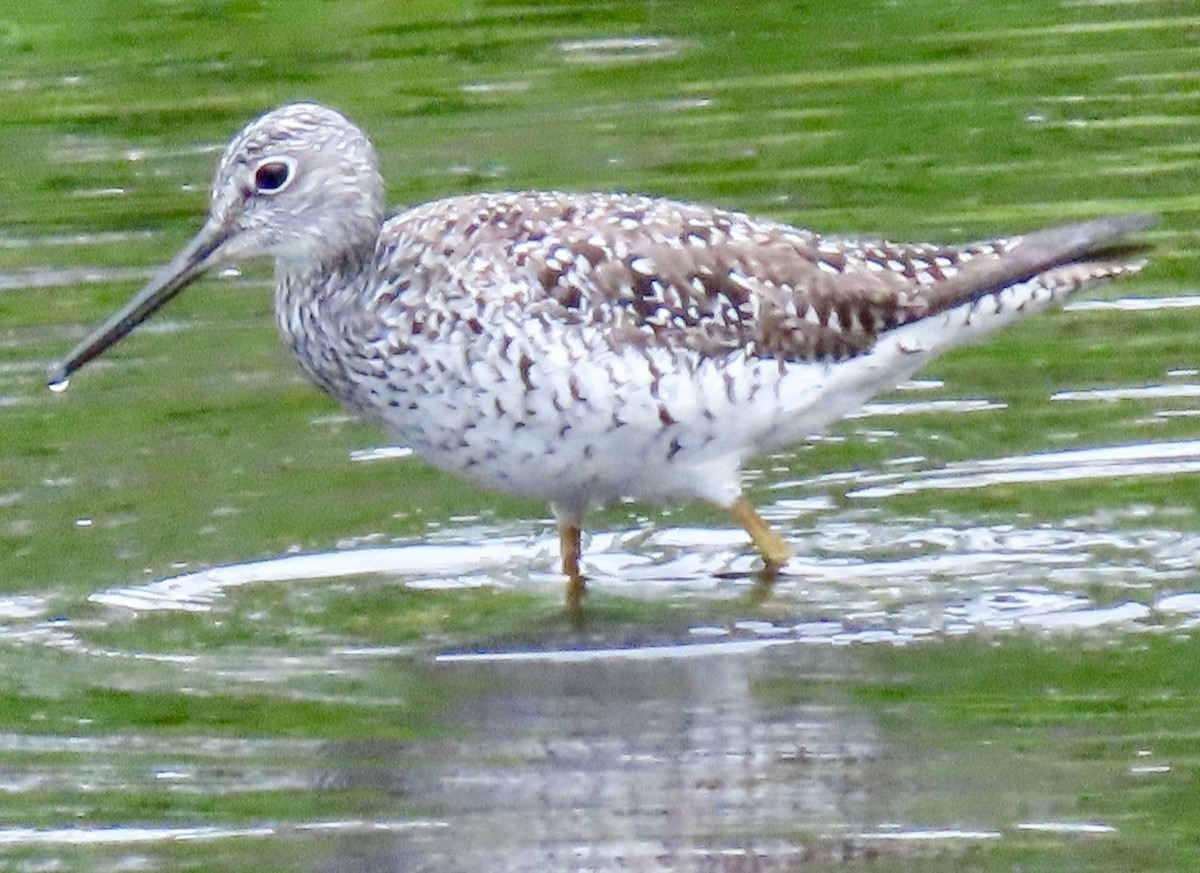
(576, 429)
(575, 421)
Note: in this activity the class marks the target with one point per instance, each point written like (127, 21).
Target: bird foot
(775, 551)
(576, 591)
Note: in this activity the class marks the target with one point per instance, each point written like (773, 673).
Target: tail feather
(1074, 253)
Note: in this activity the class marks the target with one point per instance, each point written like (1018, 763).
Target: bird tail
(1063, 258)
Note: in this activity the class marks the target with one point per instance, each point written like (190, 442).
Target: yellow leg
(569, 548)
(769, 544)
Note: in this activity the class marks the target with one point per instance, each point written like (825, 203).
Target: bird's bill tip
(182, 270)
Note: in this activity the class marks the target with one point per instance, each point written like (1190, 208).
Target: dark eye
(272, 176)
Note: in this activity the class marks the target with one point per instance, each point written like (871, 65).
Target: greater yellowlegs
(585, 347)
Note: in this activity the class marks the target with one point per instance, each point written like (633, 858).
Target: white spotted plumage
(584, 347)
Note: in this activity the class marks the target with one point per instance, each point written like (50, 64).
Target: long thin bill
(167, 282)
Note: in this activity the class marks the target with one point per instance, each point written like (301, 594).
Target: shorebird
(581, 348)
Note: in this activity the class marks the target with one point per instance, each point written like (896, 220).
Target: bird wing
(647, 271)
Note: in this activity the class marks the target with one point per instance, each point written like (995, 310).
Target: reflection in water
(727, 761)
(617, 765)
(861, 580)
(677, 756)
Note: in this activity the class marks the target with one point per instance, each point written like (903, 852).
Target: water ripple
(883, 582)
(619, 49)
(1137, 459)
(1134, 304)
(1132, 392)
(445, 565)
(133, 835)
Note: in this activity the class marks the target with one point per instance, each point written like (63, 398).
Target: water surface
(240, 630)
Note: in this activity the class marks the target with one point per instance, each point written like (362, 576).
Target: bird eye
(272, 176)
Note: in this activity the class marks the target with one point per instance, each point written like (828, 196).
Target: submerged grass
(1024, 733)
(197, 443)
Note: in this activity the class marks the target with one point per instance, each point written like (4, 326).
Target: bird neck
(316, 306)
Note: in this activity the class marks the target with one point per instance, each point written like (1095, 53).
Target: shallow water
(240, 630)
